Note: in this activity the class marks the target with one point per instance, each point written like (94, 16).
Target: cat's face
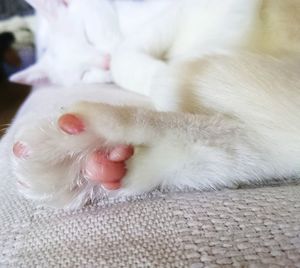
(68, 55)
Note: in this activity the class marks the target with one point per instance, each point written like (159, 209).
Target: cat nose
(106, 62)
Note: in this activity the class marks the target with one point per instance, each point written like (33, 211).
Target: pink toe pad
(121, 153)
(20, 150)
(71, 124)
(101, 170)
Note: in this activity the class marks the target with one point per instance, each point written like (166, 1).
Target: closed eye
(83, 75)
(87, 37)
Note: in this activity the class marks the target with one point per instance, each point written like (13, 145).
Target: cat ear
(32, 76)
(48, 8)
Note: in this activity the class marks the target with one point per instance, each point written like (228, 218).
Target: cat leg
(141, 56)
(174, 150)
(67, 163)
(134, 70)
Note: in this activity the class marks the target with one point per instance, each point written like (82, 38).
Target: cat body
(74, 39)
(102, 26)
(226, 109)
(195, 29)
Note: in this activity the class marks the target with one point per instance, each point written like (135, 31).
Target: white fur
(74, 38)
(228, 108)
(34, 125)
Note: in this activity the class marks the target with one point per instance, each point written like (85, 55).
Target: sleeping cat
(227, 100)
(66, 41)
(75, 39)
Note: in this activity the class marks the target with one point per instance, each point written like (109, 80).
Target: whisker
(4, 127)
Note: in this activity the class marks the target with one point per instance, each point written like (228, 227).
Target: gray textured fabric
(231, 228)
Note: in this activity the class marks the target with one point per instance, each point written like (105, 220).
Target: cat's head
(70, 52)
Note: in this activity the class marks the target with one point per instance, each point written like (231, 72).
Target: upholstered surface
(231, 228)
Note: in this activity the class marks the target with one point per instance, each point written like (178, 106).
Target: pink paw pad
(71, 124)
(120, 153)
(20, 150)
(108, 169)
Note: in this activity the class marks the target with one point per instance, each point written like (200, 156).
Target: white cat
(75, 39)
(225, 118)
(65, 39)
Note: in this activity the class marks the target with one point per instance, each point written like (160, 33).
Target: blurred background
(17, 52)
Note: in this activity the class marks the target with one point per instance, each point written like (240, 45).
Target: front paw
(62, 163)
(93, 146)
(136, 130)
(118, 127)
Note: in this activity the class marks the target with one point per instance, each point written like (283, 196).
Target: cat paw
(93, 146)
(62, 163)
(109, 168)
(105, 167)
(130, 130)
